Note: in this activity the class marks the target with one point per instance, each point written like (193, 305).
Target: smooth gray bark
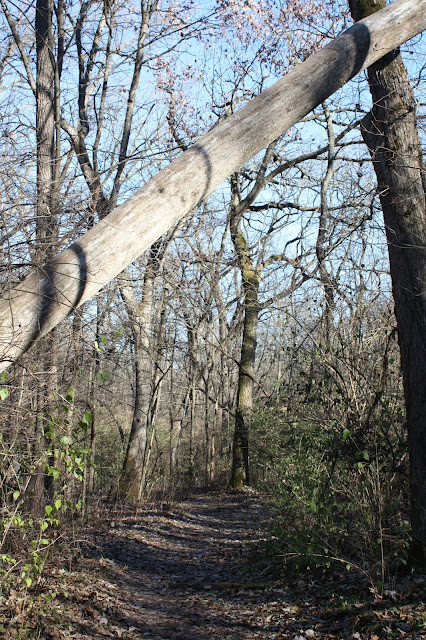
(140, 316)
(50, 293)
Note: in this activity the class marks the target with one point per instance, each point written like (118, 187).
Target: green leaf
(70, 394)
(103, 339)
(3, 393)
(44, 525)
(48, 509)
(365, 455)
(44, 541)
(87, 419)
(346, 433)
(119, 332)
(97, 347)
(58, 504)
(106, 375)
(16, 495)
(5, 557)
(28, 581)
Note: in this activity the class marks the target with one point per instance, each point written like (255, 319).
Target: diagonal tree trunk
(48, 295)
(390, 134)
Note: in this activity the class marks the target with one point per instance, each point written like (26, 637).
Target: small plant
(29, 541)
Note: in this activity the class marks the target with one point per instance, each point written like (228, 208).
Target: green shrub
(338, 496)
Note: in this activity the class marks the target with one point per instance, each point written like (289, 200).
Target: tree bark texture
(391, 136)
(140, 316)
(50, 293)
(250, 278)
(45, 132)
(243, 413)
(46, 223)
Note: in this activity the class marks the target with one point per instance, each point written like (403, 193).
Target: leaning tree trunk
(391, 135)
(48, 295)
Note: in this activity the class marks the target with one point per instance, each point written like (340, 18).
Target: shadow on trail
(181, 572)
(185, 573)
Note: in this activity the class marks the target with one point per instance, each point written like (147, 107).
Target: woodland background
(290, 252)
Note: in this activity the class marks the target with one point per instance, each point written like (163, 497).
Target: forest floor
(193, 570)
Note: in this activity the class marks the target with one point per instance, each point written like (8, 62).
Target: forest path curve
(182, 571)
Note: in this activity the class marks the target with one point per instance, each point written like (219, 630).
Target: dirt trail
(182, 572)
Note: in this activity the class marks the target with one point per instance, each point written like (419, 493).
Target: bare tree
(81, 271)
(391, 136)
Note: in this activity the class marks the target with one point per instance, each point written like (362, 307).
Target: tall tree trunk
(157, 380)
(208, 428)
(95, 366)
(391, 136)
(322, 235)
(140, 316)
(250, 281)
(46, 227)
(240, 458)
(45, 131)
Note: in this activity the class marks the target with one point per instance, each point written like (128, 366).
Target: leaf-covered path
(182, 571)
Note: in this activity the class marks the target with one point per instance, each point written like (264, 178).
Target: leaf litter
(196, 569)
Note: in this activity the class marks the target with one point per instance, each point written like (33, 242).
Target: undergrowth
(340, 496)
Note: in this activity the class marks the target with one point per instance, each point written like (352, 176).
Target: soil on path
(182, 571)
